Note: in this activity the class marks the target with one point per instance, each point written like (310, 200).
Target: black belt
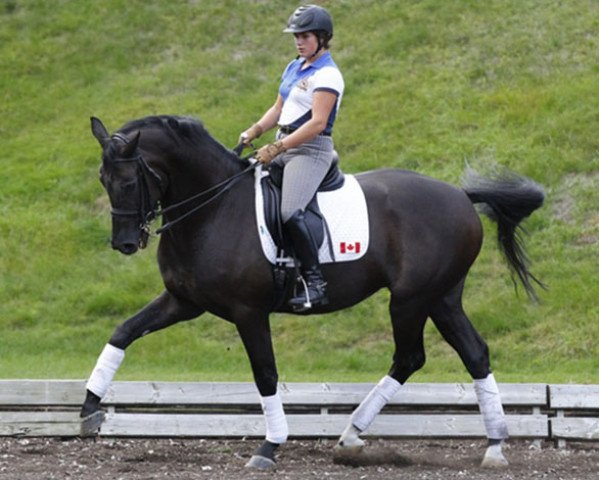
(287, 130)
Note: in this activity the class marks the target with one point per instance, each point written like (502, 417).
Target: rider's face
(306, 44)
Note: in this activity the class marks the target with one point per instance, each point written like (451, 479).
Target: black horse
(424, 236)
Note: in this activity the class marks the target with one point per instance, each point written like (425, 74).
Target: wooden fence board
(42, 392)
(227, 425)
(574, 396)
(575, 428)
(39, 424)
(438, 394)
(72, 392)
(312, 425)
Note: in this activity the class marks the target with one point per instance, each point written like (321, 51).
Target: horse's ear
(100, 132)
(130, 147)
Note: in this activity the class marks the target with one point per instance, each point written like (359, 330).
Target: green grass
(430, 86)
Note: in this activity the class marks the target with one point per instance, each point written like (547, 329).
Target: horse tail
(508, 199)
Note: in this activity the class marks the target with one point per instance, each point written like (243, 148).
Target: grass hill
(431, 85)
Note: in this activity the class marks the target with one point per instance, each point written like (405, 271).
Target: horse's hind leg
(455, 327)
(408, 321)
(164, 311)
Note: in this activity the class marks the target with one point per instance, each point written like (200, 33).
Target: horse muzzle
(130, 247)
(128, 237)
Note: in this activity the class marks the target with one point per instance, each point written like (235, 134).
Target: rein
(226, 185)
(147, 213)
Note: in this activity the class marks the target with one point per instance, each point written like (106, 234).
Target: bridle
(147, 211)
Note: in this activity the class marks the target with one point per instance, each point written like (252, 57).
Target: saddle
(271, 190)
(337, 213)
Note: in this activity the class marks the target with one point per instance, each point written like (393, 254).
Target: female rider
(305, 110)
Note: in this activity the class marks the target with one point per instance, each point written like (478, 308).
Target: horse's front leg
(255, 335)
(164, 311)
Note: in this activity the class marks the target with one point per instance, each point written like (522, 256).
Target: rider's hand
(266, 154)
(250, 134)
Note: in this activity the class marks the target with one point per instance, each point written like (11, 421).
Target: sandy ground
(98, 459)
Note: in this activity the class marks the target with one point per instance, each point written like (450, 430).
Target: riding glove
(268, 152)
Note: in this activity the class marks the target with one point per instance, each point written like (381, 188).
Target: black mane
(180, 129)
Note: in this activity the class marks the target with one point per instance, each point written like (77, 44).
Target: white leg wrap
(490, 406)
(108, 363)
(276, 423)
(370, 407)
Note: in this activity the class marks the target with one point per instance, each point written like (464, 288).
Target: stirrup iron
(307, 305)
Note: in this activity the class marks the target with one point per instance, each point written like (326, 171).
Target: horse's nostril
(126, 248)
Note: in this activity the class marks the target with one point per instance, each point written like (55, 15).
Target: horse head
(132, 187)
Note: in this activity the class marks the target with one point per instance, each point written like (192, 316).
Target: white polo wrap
(489, 402)
(370, 407)
(276, 423)
(108, 363)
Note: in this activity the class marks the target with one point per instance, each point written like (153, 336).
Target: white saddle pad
(346, 215)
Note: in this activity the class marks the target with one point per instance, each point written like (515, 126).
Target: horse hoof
(354, 447)
(261, 463)
(494, 462)
(494, 457)
(91, 424)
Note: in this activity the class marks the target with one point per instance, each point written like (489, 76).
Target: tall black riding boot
(306, 251)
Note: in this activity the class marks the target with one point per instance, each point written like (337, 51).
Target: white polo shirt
(298, 86)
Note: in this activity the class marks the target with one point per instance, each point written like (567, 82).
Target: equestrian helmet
(310, 18)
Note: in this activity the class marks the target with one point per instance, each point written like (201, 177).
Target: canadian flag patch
(345, 247)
